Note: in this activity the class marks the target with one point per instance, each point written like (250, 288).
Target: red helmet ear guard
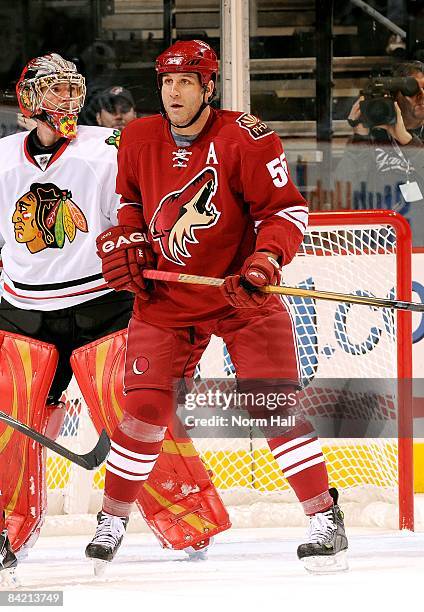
(189, 56)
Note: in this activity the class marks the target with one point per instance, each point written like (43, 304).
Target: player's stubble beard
(180, 123)
(179, 120)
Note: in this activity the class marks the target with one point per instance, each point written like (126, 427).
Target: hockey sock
(135, 447)
(300, 458)
(295, 448)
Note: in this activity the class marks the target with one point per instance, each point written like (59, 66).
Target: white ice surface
(247, 569)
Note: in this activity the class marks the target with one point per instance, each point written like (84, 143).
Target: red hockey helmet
(189, 56)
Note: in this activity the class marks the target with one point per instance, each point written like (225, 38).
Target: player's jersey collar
(43, 157)
(201, 135)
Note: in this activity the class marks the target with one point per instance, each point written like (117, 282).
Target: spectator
(383, 167)
(115, 107)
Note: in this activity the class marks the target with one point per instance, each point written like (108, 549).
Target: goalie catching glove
(125, 253)
(242, 290)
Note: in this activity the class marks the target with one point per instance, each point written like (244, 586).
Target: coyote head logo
(182, 212)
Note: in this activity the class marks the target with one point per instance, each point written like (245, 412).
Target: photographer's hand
(354, 118)
(398, 131)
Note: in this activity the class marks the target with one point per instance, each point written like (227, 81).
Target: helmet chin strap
(195, 118)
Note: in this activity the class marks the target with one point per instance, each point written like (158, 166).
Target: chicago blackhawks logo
(45, 215)
(256, 128)
(182, 212)
(114, 138)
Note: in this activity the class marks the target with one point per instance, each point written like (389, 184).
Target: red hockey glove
(125, 253)
(258, 270)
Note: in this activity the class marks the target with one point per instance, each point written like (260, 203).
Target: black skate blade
(327, 564)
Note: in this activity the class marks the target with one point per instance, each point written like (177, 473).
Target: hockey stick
(89, 461)
(174, 277)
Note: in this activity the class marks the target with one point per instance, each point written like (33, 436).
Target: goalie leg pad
(99, 370)
(27, 368)
(178, 501)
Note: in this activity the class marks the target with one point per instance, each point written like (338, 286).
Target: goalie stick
(174, 277)
(89, 461)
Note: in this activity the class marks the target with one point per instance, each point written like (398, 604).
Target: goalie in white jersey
(58, 316)
(57, 193)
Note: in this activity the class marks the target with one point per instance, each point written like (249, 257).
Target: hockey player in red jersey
(212, 193)
(57, 314)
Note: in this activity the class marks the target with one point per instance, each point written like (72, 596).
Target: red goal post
(404, 338)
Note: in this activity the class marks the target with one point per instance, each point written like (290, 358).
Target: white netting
(335, 341)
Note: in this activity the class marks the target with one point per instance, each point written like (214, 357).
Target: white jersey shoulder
(92, 143)
(11, 151)
(50, 219)
(97, 143)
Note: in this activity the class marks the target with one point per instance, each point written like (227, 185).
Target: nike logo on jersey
(181, 213)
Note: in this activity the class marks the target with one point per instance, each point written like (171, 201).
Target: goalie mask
(51, 90)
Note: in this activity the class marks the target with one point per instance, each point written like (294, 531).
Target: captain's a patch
(255, 126)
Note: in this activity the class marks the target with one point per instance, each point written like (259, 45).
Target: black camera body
(378, 107)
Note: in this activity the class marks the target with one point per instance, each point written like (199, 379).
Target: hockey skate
(326, 549)
(8, 562)
(107, 539)
(199, 552)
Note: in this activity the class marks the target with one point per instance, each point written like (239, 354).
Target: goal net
(353, 353)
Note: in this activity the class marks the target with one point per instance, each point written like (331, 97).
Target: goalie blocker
(178, 501)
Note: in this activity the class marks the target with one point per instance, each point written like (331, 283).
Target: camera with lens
(378, 107)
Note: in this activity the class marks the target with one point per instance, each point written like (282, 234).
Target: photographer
(383, 164)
